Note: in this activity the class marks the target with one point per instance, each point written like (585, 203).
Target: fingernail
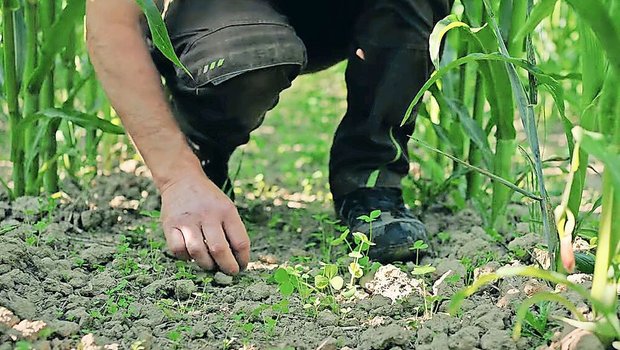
(360, 54)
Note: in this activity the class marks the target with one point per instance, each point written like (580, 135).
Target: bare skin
(200, 222)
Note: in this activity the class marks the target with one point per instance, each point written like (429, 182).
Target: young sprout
(417, 246)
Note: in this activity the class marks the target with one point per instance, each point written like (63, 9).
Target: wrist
(177, 169)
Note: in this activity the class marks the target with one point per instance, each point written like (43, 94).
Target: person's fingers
(196, 246)
(219, 249)
(176, 243)
(238, 238)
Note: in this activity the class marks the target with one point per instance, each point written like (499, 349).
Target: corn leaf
(473, 129)
(553, 86)
(526, 111)
(541, 10)
(486, 173)
(84, 120)
(55, 40)
(524, 271)
(159, 33)
(536, 298)
(600, 147)
(596, 15)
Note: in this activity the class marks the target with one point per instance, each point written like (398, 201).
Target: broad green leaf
(331, 270)
(356, 270)
(281, 275)
(419, 245)
(56, 40)
(361, 236)
(349, 293)
(336, 282)
(356, 255)
(375, 214)
(321, 282)
(159, 33)
(286, 289)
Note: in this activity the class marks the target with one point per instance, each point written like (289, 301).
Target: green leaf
(419, 245)
(286, 289)
(423, 270)
(525, 271)
(536, 298)
(361, 236)
(473, 129)
(364, 218)
(553, 85)
(372, 179)
(440, 30)
(321, 282)
(356, 270)
(596, 15)
(542, 10)
(55, 41)
(337, 282)
(159, 33)
(330, 270)
(281, 276)
(337, 241)
(12, 5)
(84, 120)
(375, 214)
(349, 293)
(356, 255)
(598, 146)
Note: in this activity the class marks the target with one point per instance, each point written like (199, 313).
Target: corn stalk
(11, 92)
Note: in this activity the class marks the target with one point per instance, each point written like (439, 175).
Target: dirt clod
(496, 339)
(183, 289)
(222, 279)
(384, 337)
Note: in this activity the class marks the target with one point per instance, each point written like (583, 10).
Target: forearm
(123, 64)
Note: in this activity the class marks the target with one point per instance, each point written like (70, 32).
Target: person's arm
(199, 221)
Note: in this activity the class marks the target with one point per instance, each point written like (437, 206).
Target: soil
(92, 267)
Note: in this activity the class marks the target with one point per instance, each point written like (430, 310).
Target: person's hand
(201, 223)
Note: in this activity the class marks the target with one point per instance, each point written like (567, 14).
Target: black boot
(394, 232)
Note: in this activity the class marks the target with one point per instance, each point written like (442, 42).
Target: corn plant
(43, 89)
(59, 120)
(596, 133)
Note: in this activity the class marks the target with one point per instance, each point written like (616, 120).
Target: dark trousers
(243, 53)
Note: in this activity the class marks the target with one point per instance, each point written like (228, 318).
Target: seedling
(421, 271)
(418, 246)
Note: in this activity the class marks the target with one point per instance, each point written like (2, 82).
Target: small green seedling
(329, 278)
(421, 271)
(444, 237)
(418, 246)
